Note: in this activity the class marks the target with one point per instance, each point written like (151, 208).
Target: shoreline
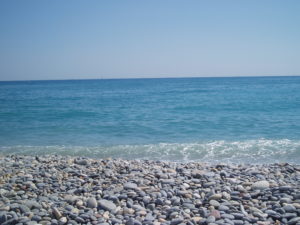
(74, 190)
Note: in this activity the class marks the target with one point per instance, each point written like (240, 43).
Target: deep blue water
(249, 119)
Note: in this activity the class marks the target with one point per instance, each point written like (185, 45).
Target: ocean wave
(248, 151)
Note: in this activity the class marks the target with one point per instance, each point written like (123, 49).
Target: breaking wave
(250, 151)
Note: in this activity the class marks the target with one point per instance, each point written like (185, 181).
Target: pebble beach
(61, 190)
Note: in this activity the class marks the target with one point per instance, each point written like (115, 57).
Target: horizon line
(166, 77)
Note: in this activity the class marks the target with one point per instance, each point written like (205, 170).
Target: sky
(72, 39)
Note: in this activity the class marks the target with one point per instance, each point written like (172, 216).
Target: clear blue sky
(49, 39)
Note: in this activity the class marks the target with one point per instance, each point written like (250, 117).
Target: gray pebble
(92, 203)
(176, 221)
(214, 203)
(107, 205)
(289, 208)
(56, 213)
(61, 190)
(294, 221)
(260, 185)
(130, 185)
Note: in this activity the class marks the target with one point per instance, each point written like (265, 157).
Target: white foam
(248, 151)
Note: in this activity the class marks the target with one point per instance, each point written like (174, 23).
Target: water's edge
(251, 151)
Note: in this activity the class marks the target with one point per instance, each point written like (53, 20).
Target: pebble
(107, 205)
(260, 185)
(82, 162)
(293, 221)
(223, 208)
(176, 221)
(214, 203)
(289, 208)
(130, 186)
(61, 190)
(92, 203)
(62, 220)
(215, 213)
(215, 197)
(227, 216)
(238, 222)
(56, 213)
(24, 208)
(210, 219)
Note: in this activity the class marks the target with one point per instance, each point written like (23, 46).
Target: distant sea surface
(238, 120)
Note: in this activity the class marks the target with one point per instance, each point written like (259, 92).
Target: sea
(252, 120)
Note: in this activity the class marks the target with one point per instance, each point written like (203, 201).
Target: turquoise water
(250, 119)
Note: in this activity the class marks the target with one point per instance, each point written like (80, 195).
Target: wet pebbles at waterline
(67, 190)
